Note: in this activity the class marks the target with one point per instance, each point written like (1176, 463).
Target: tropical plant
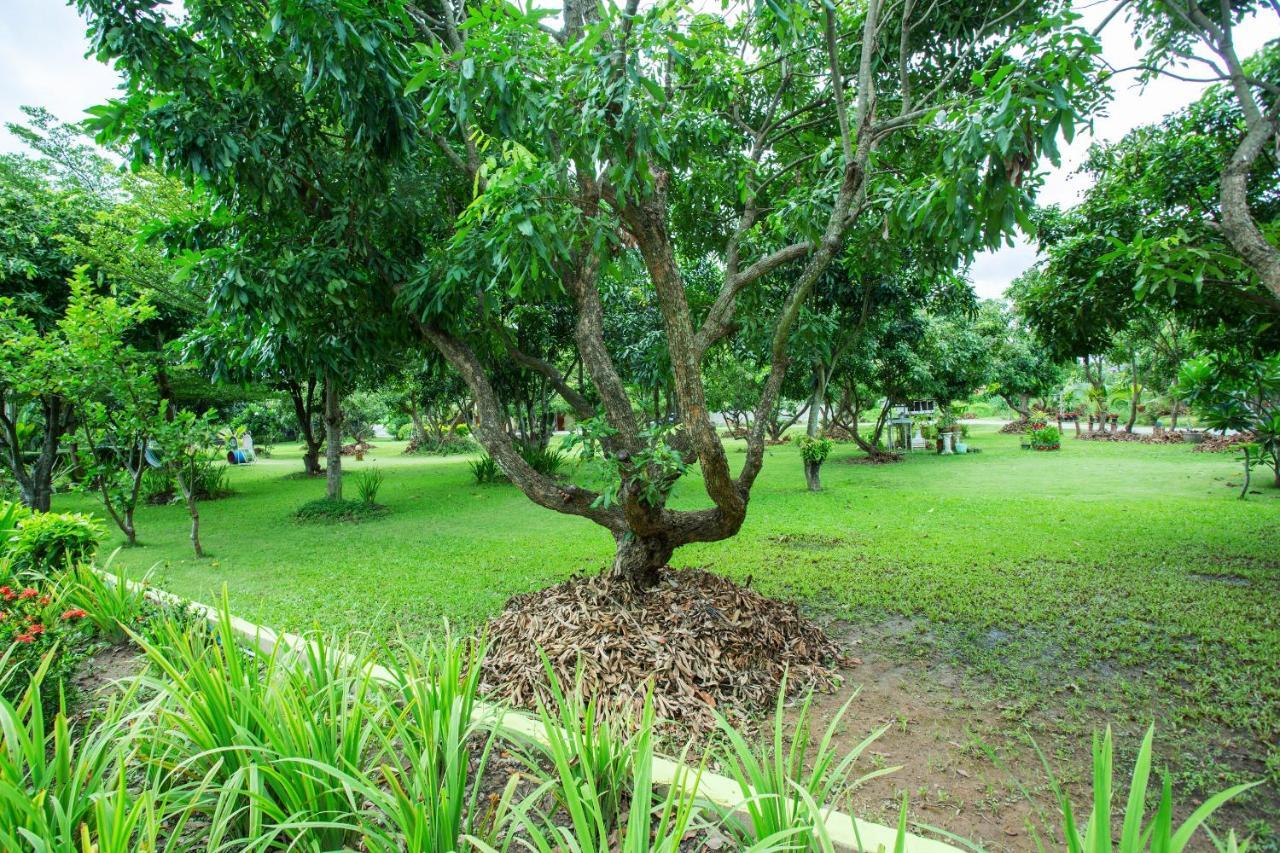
(113, 602)
(1234, 390)
(486, 470)
(1137, 834)
(38, 634)
(1045, 437)
(368, 482)
(783, 793)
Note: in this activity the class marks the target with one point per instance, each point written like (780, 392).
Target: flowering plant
(33, 624)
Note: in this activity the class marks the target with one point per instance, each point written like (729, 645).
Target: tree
(1249, 93)
(553, 151)
(184, 439)
(118, 403)
(1022, 373)
(44, 201)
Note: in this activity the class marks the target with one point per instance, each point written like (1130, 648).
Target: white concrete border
(713, 787)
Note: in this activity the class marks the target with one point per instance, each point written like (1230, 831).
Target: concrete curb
(713, 787)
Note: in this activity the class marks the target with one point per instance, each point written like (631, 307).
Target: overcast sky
(42, 62)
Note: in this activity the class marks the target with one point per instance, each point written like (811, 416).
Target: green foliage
(39, 638)
(1045, 436)
(784, 791)
(322, 510)
(814, 449)
(113, 605)
(545, 460)
(1234, 390)
(368, 482)
(486, 470)
(47, 543)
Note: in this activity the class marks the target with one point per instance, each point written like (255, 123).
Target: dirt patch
(876, 459)
(101, 674)
(1133, 437)
(701, 640)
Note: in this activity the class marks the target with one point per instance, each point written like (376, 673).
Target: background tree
(184, 439)
(1022, 372)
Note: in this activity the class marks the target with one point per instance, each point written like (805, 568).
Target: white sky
(42, 63)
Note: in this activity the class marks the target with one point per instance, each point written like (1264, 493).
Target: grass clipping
(702, 641)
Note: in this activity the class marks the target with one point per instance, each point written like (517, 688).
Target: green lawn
(1107, 581)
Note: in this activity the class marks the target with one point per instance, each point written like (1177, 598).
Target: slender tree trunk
(333, 439)
(1135, 396)
(304, 411)
(1173, 414)
(638, 560)
(189, 495)
(813, 470)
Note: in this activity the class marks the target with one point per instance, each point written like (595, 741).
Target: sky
(42, 62)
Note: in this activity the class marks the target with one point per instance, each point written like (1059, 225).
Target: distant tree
(1022, 372)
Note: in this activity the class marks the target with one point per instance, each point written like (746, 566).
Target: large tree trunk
(1237, 220)
(333, 439)
(639, 561)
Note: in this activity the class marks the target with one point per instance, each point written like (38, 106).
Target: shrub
(326, 510)
(37, 630)
(404, 432)
(368, 482)
(1045, 436)
(48, 542)
(486, 470)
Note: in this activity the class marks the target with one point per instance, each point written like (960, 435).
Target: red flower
(74, 613)
(25, 638)
(44, 599)
(9, 595)
(29, 592)
(6, 589)
(36, 629)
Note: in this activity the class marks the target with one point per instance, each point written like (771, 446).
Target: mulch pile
(1162, 438)
(702, 641)
(1014, 427)
(1224, 443)
(358, 447)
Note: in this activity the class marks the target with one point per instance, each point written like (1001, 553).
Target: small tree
(117, 400)
(184, 439)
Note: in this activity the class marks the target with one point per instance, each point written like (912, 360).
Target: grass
(1103, 581)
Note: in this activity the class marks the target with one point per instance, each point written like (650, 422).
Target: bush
(1045, 436)
(37, 631)
(368, 483)
(404, 432)
(48, 542)
(323, 510)
(211, 479)
(486, 470)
